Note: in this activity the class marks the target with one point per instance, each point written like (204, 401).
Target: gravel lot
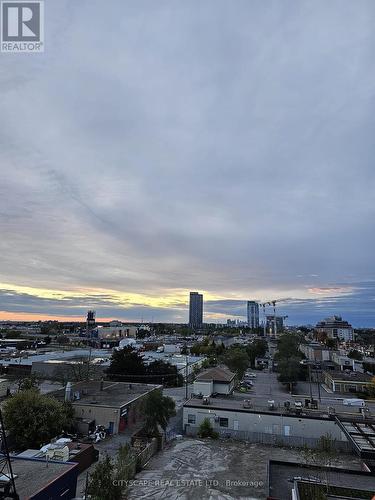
(193, 469)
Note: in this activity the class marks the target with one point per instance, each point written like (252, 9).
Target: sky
(158, 147)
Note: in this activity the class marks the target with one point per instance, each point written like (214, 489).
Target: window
(191, 419)
(223, 422)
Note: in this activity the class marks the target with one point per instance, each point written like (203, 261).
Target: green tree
(289, 371)
(256, 349)
(102, 484)
(160, 372)
(13, 334)
(126, 463)
(206, 430)
(288, 346)
(158, 410)
(33, 418)
(354, 354)
(331, 343)
(127, 365)
(236, 360)
(28, 383)
(62, 340)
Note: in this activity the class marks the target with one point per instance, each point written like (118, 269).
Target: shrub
(206, 430)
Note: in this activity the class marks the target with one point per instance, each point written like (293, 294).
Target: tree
(62, 339)
(331, 343)
(236, 360)
(354, 354)
(126, 463)
(160, 372)
(127, 365)
(289, 371)
(103, 484)
(185, 350)
(28, 383)
(206, 430)
(256, 349)
(33, 418)
(288, 346)
(158, 410)
(82, 369)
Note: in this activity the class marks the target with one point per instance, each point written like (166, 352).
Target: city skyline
(226, 150)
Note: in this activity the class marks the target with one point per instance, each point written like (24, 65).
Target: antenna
(7, 484)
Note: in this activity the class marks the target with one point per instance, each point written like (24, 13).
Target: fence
(144, 456)
(272, 439)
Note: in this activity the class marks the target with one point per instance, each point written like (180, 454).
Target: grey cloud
(205, 145)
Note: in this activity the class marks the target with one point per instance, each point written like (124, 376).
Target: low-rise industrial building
(234, 417)
(37, 479)
(347, 381)
(291, 480)
(117, 330)
(115, 405)
(343, 362)
(218, 380)
(31, 362)
(81, 453)
(315, 351)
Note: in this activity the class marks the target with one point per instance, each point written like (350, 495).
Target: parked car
(248, 383)
(244, 389)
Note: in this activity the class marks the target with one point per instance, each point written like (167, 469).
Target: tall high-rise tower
(196, 310)
(252, 314)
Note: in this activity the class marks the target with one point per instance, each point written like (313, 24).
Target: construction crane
(273, 304)
(7, 483)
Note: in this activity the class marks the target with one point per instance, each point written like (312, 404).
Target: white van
(354, 402)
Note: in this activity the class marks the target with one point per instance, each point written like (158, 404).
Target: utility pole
(274, 319)
(186, 374)
(318, 382)
(264, 320)
(311, 395)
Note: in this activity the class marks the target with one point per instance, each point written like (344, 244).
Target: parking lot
(266, 387)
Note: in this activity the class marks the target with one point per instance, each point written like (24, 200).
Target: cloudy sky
(162, 146)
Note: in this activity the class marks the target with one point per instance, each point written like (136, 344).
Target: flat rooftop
(227, 469)
(33, 475)
(362, 436)
(112, 394)
(238, 404)
(281, 475)
(349, 376)
(54, 355)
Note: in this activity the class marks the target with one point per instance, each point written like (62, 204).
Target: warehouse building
(115, 405)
